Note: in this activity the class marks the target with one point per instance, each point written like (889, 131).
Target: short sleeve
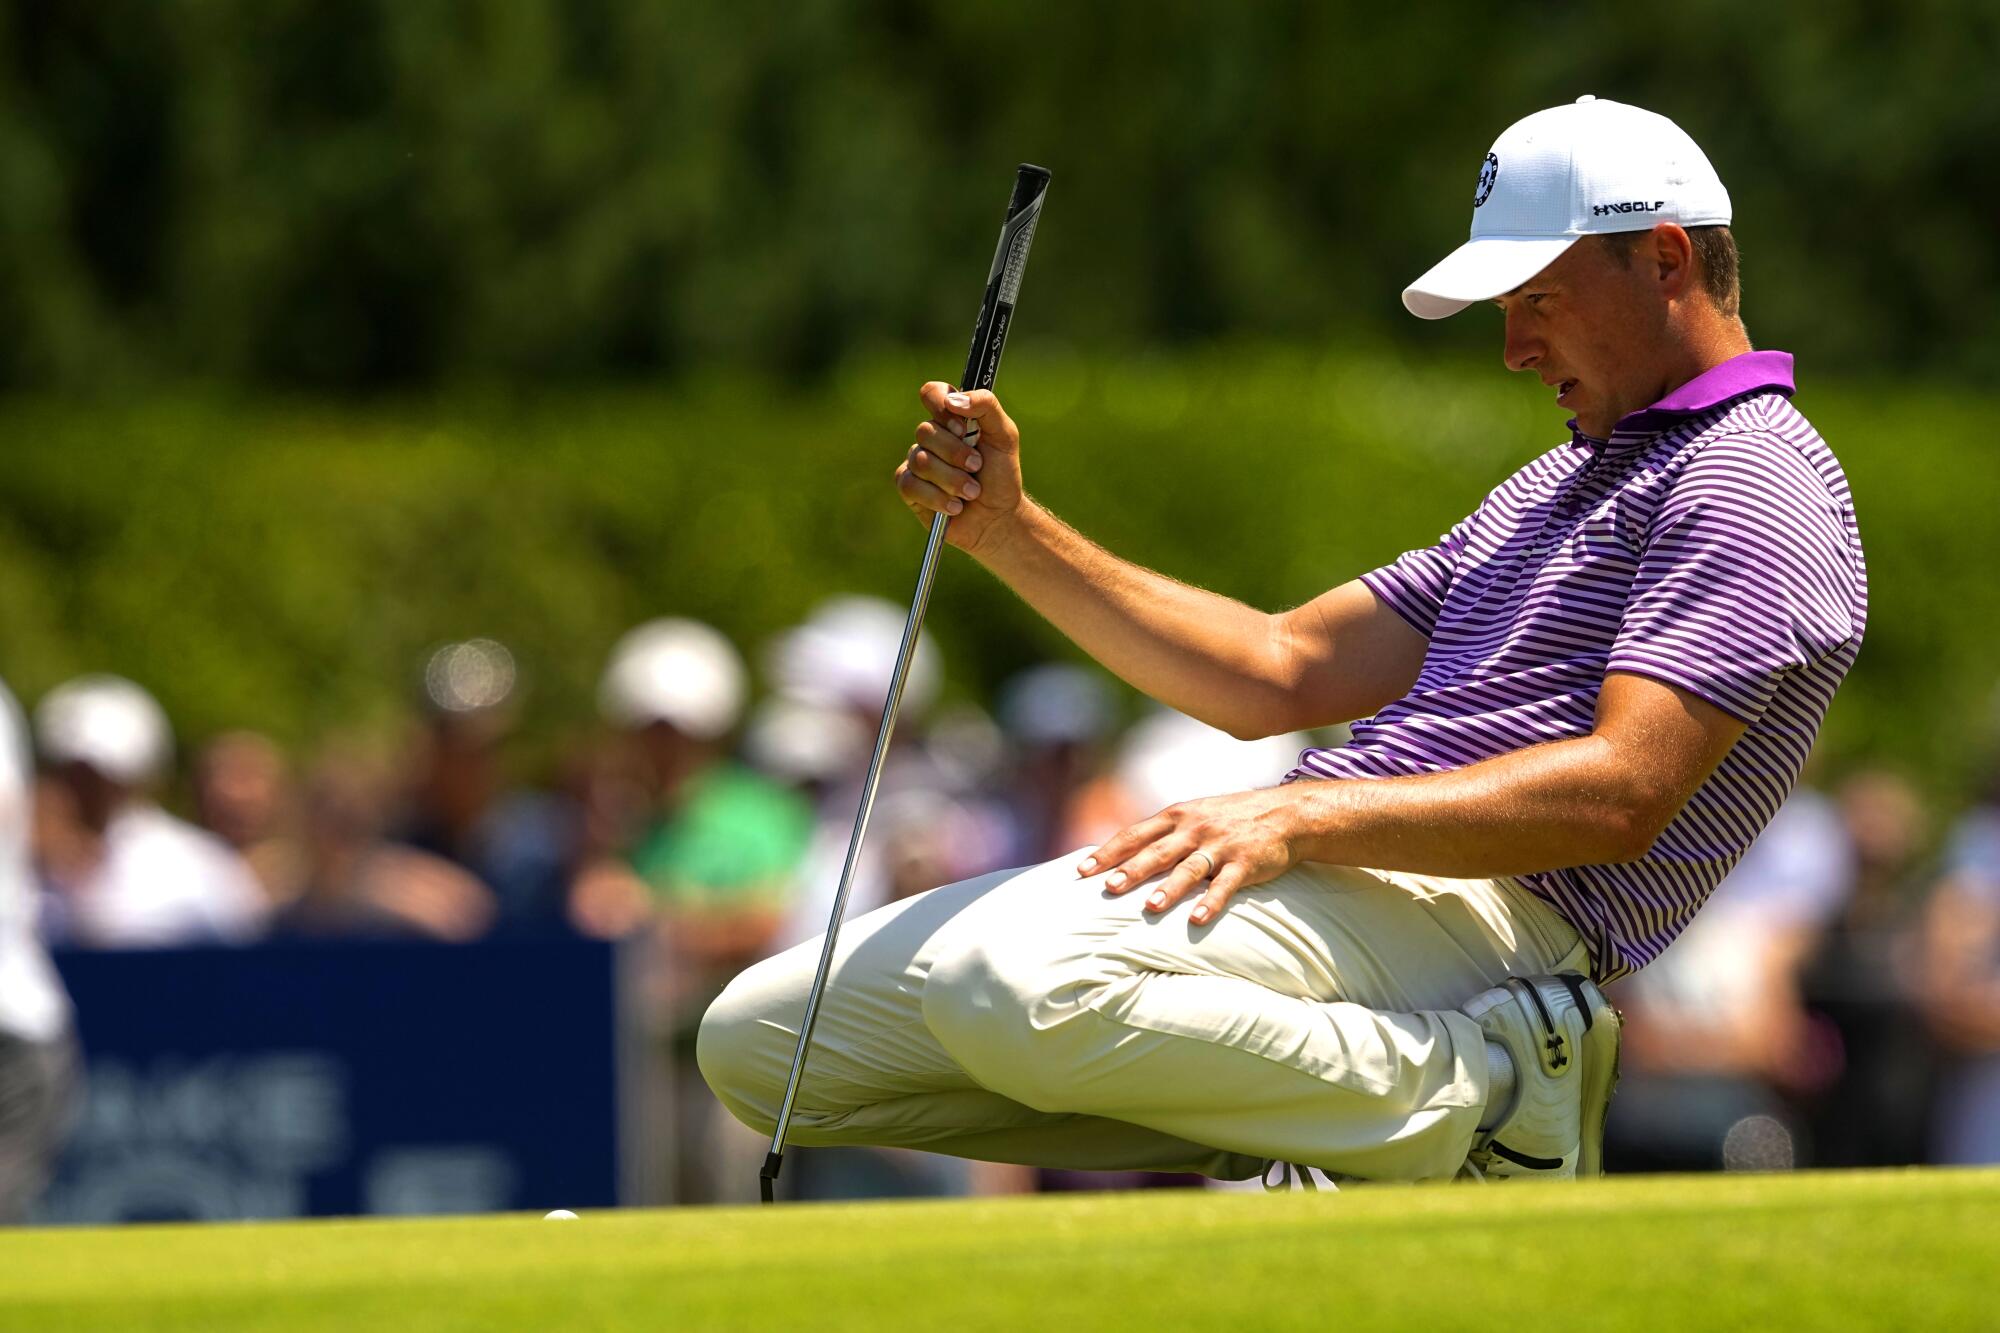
(1747, 574)
(1415, 583)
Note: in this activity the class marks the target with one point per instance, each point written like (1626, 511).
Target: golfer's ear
(1673, 258)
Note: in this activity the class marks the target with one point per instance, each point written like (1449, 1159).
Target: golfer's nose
(1522, 348)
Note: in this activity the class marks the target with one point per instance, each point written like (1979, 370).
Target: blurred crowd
(1837, 1003)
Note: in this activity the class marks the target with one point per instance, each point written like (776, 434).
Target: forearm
(1567, 803)
(1592, 800)
(1210, 656)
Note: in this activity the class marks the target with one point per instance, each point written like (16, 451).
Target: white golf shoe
(1562, 1035)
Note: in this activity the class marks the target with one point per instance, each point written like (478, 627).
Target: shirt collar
(1738, 377)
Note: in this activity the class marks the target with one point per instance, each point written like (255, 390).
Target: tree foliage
(365, 193)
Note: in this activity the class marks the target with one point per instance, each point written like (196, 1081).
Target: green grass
(1889, 1249)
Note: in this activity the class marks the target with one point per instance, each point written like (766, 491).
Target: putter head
(767, 1179)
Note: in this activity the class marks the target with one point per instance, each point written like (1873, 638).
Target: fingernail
(954, 507)
(958, 400)
(1117, 880)
(973, 463)
(1200, 914)
(972, 490)
(1157, 901)
(1088, 866)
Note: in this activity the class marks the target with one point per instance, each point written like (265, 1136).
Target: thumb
(982, 410)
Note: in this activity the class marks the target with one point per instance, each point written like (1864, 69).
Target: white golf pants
(1026, 1016)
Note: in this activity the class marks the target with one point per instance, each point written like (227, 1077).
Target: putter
(982, 364)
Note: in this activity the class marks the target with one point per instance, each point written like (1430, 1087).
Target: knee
(738, 1047)
(991, 1005)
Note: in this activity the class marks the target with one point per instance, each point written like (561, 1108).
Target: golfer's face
(1587, 326)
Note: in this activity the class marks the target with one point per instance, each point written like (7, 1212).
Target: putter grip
(1003, 280)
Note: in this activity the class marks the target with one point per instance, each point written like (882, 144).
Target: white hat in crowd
(803, 742)
(108, 723)
(677, 671)
(1584, 169)
(845, 653)
(1169, 756)
(1057, 703)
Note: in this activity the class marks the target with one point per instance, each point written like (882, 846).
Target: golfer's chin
(1590, 417)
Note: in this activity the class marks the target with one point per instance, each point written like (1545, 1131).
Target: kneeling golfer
(1575, 712)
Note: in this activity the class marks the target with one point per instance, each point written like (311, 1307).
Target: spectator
(1168, 757)
(1863, 981)
(928, 827)
(693, 852)
(1717, 1037)
(1057, 717)
(929, 821)
(809, 747)
(707, 845)
(1960, 989)
(359, 885)
(926, 816)
(521, 844)
(122, 872)
(243, 794)
(37, 1044)
(929, 813)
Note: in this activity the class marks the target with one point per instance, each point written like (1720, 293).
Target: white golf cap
(676, 671)
(107, 722)
(1584, 169)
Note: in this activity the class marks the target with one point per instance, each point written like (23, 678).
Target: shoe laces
(1554, 1039)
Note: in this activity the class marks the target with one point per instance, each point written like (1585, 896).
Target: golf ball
(560, 1215)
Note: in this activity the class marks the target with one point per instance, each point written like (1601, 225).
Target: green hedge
(285, 564)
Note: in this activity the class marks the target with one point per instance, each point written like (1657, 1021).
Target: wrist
(1009, 539)
(1306, 821)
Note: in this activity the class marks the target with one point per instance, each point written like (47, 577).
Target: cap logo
(1631, 206)
(1489, 171)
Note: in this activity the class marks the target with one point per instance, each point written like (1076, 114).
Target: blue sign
(291, 1080)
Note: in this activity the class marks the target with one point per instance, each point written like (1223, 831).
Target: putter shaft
(905, 654)
(982, 364)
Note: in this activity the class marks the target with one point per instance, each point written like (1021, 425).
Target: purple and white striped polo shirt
(1709, 543)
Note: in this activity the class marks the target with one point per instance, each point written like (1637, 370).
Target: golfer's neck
(1692, 346)
(1706, 339)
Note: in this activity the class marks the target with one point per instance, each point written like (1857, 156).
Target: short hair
(1715, 254)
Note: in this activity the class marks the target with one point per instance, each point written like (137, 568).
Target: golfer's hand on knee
(1229, 841)
(966, 462)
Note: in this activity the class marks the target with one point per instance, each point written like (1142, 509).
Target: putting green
(1915, 1249)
